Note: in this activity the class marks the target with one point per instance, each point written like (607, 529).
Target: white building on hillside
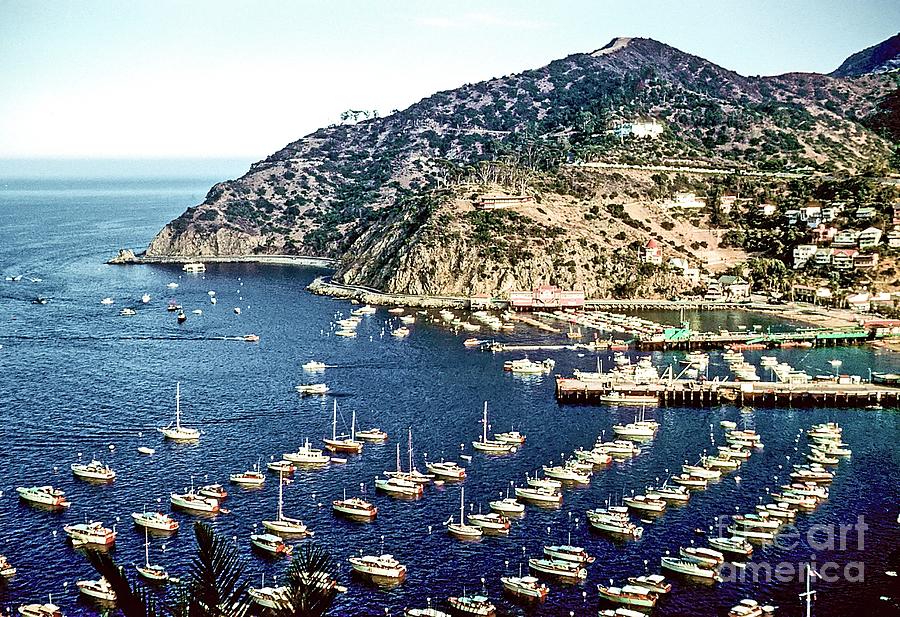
(650, 130)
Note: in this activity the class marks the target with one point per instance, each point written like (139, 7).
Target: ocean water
(77, 378)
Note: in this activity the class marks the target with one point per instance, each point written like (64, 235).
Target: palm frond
(132, 599)
(215, 581)
(311, 585)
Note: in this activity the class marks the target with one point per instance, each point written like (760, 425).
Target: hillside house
(802, 254)
(651, 253)
(869, 260)
(842, 259)
(500, 202)
(829, 213)
(792, 216)
(682, 266)
(845, 238)
(869, 238)
(858, 302)
(864, 214)
(640, 130)
(734, 287)
(822, 234)
(686, 201)
(823, 256)
(893, 239)
(896, 218)
(766, 209)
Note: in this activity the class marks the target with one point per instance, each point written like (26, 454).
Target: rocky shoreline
(127, 257)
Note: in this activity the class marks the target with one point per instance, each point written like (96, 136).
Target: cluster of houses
(840, 249)
(732, 288)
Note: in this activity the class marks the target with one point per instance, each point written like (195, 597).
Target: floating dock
(690, 393)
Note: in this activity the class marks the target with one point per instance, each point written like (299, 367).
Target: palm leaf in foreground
(310, 584)
(133, 601)
(215, 585)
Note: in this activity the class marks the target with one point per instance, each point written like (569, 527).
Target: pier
(691, 393)
(684, 339)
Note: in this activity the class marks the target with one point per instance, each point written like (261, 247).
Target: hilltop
(394, 198)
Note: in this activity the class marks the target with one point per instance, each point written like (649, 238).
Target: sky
(241, 79)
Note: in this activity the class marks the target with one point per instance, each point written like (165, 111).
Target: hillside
(879, 58)
(392, 197)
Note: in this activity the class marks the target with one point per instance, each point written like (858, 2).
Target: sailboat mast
(398, 459)
(334, 421)
(353, 427)
(484, 425)
(146, 547)
(462, 505)
(280, 493)
(177, 404)
(410, 451)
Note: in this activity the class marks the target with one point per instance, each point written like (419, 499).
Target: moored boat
(654, 582)
(94, 471)
(732, 546)
(447, 470)
(566, 552)
(354, 507)
(706, 557)
(629, 595)
(689, 568)
(177, 432)
(645, 503)
(99, 589)
(270, 543)
(154, 520)
(558, 568)
(472, 605)
(43, 496)
(48, 609)
(525, 587)
(382, 566)
(539, 495)
(90, 533)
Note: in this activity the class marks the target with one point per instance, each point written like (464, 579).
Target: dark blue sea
(78, 378)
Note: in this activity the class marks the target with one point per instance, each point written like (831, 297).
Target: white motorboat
(146, 450)
(382, 566)
(343, 443)
(282, 524)
(702, 472)
(364, 310)
(525, 587)
(628, 400)
(472, 605)
(559, 568)
(154, 520)
(566, 552)
(307, 456)
(145, 298)
(313, 365)
(400, 332)
(706, 557)
(128, 312)
(94, 471)
(645, 503)
(194, 267)
(177, 432)
(107, 301)
(689, 568)
(46, 496)
(524, 366)
(312, 388)
(629, 595)
(270, 597)
(90, 533)
(545, 483)
(614, 521)
(732, 546)
(211, 491)
(270, 543)
(192, 502)
(507, 506)
(670, 494)
(251, 477)
(447, 470)
(372, 434)
(48, 609)
(538, 495)
(354, 507)
(6, 569)
(654, 582)
(690, 481)
(597, 459)
(397, 487)
(566, 474)
(491, 446)
(513, 437)
(493, 523)
(98, 590)
(281, 467)
(751, 608)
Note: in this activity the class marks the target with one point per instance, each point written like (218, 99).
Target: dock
(691, 393)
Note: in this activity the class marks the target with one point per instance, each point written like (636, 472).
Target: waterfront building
(546, 297)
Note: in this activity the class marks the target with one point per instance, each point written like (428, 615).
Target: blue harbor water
(78, 378)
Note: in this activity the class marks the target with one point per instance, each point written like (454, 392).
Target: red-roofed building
(651, 253)
(842, 259)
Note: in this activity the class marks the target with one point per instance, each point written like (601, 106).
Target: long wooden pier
(761, 340)
(690, 393)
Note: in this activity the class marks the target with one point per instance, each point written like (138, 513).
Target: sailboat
(343, 443)
(178, 432)
(151, 572)
(491, 446)
(413, 475)
(284, 524)
(461, 530)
